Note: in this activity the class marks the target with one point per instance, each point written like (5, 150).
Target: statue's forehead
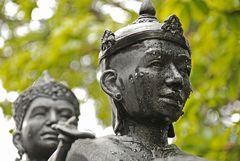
(162, 47)
(49, 101)
(148, 50)
(162, 44)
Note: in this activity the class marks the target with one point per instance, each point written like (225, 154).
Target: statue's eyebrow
(150, 51)
(184, 56)
(149, 56)
(65, 108)
(39, 107)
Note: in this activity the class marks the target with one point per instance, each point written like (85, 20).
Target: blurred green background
(64, 38)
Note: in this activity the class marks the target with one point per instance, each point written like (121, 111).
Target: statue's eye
(65, 114)
(185, 70)
(39, 113)
(188, 69)
(156, 63)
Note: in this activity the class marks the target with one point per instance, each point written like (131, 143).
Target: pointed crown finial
(147, 8)
(43, 79)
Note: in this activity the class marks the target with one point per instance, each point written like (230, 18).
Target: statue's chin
(160, 118)
(48, 145)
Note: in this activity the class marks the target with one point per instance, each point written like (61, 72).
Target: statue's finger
(72, 119)
(73, 132)
(61, 127)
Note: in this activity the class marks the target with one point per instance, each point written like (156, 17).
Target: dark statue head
(35, 110)
(146, 68)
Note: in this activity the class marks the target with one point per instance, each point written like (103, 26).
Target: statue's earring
(118, 97)
(20, 153)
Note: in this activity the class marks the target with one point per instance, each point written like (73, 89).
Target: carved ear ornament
(118, 97)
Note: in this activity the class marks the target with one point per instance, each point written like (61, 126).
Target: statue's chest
(130, 151)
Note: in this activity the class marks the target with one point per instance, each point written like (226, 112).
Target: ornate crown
(45, 86)
(145, 27)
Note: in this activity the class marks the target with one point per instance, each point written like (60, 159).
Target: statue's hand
(68, 131)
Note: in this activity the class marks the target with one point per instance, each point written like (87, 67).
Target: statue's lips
(49, 135)
(172, 99)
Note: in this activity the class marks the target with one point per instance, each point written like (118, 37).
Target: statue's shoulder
(115, 148)
(186, 158)
(99, 149)
(183, 156)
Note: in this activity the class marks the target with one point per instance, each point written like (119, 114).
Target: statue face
(153, 78)
(37, 137)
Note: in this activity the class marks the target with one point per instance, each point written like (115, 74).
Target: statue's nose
(52, 118)
(174, 78)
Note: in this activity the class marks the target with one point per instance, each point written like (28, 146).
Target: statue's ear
(17, 141)
(109, 85)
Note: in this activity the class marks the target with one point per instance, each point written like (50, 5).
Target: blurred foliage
(67, 45)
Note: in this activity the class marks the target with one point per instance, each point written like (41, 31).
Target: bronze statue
(36, 111)
(146, 68)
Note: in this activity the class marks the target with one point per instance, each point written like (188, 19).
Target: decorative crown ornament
(47, 87)
(145, 27)
(108, 40)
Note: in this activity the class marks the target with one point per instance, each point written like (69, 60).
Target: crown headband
(145, 27)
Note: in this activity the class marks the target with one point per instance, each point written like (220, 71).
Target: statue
(146, 68)
(36, 111)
